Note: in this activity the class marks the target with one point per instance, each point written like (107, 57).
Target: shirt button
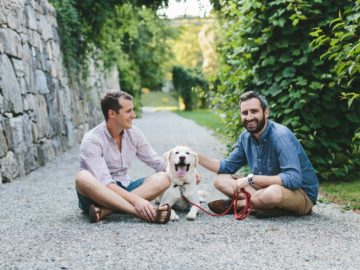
(259, 172)
(259, 159)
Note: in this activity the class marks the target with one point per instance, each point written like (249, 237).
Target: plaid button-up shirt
(100, 155)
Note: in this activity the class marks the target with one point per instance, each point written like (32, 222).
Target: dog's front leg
(169, 197)
(193, 210)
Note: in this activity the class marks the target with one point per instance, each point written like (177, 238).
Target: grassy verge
(206, 118)
(159, 100)
(347, 194)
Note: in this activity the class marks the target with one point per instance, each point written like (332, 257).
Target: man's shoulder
(95, 134)
(279, 129)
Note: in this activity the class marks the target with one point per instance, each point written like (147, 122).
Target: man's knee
(163, 180)
(82, 179)
(222, 182)
(271, 195)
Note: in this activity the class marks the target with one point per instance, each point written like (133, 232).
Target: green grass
(346, 194)
(159, 100)
(205, 118)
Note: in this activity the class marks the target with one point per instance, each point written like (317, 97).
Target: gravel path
(41, 226)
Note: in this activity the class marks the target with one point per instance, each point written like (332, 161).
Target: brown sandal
(94, 214)
(159, 212)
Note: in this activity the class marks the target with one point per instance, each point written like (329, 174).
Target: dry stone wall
(41, 113)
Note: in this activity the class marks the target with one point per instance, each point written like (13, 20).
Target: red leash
(245, 212)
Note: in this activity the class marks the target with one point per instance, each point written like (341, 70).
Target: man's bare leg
(90, 187)
(266, 198)
(153, 186)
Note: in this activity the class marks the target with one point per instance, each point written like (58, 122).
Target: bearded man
(282, 179)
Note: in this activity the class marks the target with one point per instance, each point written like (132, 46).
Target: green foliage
(135, 39)
(266, 47)
(122, 33)
(191, 86)
(341, 39)
(185, 43)
(70, 32)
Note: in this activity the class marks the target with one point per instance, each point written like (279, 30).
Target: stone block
(10, 86)
(3, 143)
(11, 42)
(41, 82)
(42, 119)
(9, 167)
(30, 18)
(45, 152)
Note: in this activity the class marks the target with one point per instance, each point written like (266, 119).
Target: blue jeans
(85, 202)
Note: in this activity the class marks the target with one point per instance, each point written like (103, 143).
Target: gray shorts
(85, 202)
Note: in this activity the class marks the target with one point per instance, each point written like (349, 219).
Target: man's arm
(260, 181)
(209, 163)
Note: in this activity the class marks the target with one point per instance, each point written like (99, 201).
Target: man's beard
(260, 125)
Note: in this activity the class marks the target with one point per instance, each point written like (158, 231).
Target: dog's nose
(182, 158)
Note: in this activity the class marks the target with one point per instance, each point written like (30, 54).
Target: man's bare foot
(96, 213)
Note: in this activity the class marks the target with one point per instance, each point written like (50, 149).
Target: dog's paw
(174, 216)
(191, 216)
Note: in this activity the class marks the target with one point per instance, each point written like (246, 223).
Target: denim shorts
(85, 202)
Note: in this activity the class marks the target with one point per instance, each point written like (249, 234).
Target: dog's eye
(177, 152)
(187, 153)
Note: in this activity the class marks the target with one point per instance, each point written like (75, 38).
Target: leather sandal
(159, 212)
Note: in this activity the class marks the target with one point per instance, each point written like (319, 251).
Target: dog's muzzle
(181, 169)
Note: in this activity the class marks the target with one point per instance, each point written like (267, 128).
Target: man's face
(252, 115)
(126, 114)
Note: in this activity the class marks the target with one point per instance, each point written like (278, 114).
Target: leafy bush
(266, 47)
(190, 85)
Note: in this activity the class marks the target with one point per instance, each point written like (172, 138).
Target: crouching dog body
(282, 179)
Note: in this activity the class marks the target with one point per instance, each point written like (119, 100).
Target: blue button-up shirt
(277, 152)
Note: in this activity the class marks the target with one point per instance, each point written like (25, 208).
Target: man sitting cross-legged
(106, 152)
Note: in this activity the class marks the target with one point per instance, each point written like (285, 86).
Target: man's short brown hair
(110, 101)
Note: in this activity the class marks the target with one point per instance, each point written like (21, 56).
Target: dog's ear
(166, 157)
(196, 159)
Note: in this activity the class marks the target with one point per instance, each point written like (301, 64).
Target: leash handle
(245, 212)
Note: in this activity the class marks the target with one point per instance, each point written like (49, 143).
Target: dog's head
(181, 160)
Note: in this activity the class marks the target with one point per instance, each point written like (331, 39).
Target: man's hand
(145, 209)
(240, 183)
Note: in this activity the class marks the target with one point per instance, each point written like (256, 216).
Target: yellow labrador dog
(181, 164)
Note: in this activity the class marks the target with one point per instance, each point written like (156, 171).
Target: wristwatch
(250, 179)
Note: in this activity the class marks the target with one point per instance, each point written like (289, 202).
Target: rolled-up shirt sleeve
(289, 160)
(234, 161)
(91, 159)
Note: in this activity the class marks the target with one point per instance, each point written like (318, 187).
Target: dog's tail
(203, 195)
